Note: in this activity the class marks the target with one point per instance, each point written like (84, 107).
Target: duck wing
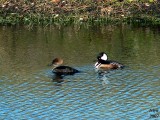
(65, 70)
(114, 63)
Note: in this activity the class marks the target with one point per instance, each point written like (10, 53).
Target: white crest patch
(104, 57)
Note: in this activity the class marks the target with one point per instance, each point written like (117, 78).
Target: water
(29, 90)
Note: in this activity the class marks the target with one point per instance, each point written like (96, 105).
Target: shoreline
(66, 12)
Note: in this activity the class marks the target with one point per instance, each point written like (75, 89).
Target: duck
(104, 64)
(60, 69)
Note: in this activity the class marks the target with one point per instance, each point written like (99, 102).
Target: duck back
(65, 70)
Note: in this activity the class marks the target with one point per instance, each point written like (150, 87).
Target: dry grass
(75, 11)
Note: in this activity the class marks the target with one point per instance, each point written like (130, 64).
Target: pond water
(29, 89)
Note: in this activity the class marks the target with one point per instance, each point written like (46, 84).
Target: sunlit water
(29, 89)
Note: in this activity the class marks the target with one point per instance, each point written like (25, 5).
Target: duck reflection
(57, 78)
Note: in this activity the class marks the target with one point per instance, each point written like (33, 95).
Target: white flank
(97, 64)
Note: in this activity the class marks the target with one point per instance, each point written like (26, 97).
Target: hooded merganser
(105, 64)
(62, 70)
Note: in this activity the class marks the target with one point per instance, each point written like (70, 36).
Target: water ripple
(126, 94)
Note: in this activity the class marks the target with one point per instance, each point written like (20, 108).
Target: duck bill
(50, 64)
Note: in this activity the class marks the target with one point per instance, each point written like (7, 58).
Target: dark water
(28, 89)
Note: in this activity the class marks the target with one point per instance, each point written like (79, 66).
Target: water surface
(28, 89)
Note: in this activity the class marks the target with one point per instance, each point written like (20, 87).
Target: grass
(46, 12)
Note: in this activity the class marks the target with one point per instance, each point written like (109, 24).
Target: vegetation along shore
(66, 12)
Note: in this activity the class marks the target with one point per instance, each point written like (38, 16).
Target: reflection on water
(29, 89)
